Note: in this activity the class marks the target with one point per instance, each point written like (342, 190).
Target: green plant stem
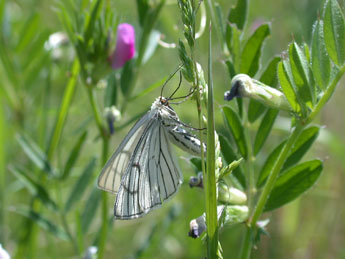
(268, 188)
(105, 145)
(251, 189)
(66, 101)
(247, 244)
(210, 183)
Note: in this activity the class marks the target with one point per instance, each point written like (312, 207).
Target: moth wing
(113, 171)
(152, 178)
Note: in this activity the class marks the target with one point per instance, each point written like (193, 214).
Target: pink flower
(125, 46)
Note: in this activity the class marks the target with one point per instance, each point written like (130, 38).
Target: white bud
(4, 254)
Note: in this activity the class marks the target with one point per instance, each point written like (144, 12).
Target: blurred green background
(313, 226)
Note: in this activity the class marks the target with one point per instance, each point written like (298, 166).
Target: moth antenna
(169, 78)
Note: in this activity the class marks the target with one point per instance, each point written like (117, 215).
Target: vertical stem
(247, 244)
(105, 145)
(210, 183)
(268, 188)
(250, 170)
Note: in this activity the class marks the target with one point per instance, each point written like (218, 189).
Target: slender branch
(268, 188)
(105, 145)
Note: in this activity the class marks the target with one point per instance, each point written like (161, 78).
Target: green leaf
(127, 76)
(196, 164)
(73, 156)
(301, 146)
(293, 182)
(265, 129)
(230, 156)
(90, 209)
(28, 32)
(34, 187)
(232, 39)
(268, 77)
(285, 79)
(90, 21)
(238, 14)
(321, 64)
(334, 32)
(300, 73)
(151, 45)
(269, 163)
(234, 123)
(110, 95)
(231, 68)
(42, 222)
(251, 52)
(35, 154)
(80, 185)
(64, 108)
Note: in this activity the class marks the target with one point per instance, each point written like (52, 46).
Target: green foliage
(233, 121)
(334, 32)
(293, 182)
(264, 129)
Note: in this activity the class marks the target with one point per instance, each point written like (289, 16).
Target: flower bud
(230, 195)
(112, 115)
(4, 254)
(125, 46)
(91, 252)
(244, 86)
(234, 214)
(196, 181)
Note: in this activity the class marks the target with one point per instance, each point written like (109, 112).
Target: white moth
(143, 171)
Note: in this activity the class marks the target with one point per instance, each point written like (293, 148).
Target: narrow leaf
(111, 93)
(300, 72)
(80, 185)
(234, 123)
(73, 156)
(301, 146)
(251, 52)
(238, 14)
(269, 163)
(334, 32)
(90, 209)
(293, 182)
(229, 156)
(35, 154)
(268, 77)
(287, 86)
(42, 222)
(233, 42)
(265, 129)
(151, 45)
(127, 77)
(321, 64)
(34, 187)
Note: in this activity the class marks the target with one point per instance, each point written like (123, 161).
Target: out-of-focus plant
(107, 57)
